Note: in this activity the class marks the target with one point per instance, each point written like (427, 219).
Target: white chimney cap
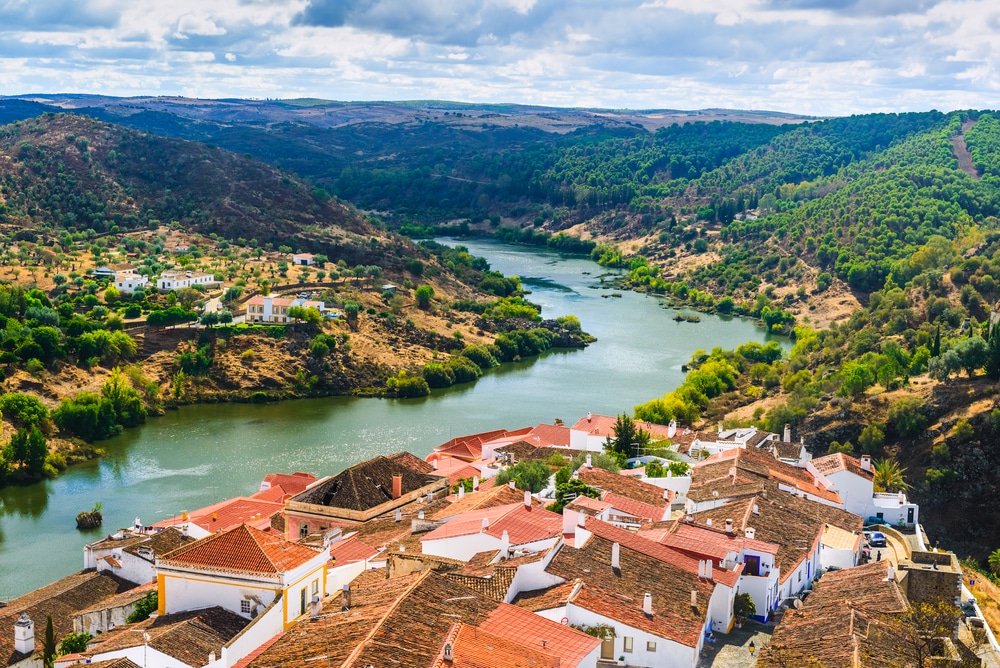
(647, 603)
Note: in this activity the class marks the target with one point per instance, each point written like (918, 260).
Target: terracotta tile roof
(523, 524)
(160, 543)
(840, 462)
(469, 447)
(643, 511)
(120, 600)
(588, 505)
(228, 514)
(705, 541)
(188, 637)
(753, 467)
(548, 435)
(275, 494)
(495, 583)
(62, 599)
(518, 450)
(292, 483)
(336, 635)
(834, 625)
(351, 551)
(122, 662)
(475, 648)
(785, 450)
(369, 484)
(501, 495)
(617, 594)
(839, 539)
(624, 485)
(243, 550)
(530, 630)
(537, 600)
(603, 426)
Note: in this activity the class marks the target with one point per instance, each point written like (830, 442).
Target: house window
(315, 587)
(800, 576)
(302, 601)
(650, 646)
(628, 644)
(303, 530)
(245, 607)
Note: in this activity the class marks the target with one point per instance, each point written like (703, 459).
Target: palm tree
(889, 476)
(994, 561)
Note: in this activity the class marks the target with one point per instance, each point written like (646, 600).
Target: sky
(819, 57)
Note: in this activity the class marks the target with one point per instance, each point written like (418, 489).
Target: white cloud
(190, 24)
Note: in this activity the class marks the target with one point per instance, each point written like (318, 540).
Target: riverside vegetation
(81, 361)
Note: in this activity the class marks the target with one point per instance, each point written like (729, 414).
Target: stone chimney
(866, 462)
(788, 433)
(616, 552)
(24, 635)
(527, 498)
(399, 515)
(345, 597)
(647, 604)
(397, 486)
(694, 598)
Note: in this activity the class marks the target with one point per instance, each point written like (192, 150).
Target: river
(198, 455)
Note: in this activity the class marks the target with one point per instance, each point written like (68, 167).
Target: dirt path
(962, 153)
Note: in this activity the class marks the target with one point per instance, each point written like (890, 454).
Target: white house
(243, 570)
(303, 259)
(131, 554)
(853, 479)
(175, 280)
(273, 310)
(128, 282)
(590, 432)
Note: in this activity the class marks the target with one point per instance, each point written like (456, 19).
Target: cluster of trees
(94, 416)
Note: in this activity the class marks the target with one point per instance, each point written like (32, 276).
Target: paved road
(732, 650)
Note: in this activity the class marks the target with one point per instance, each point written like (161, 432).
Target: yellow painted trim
(227, 584)
(161, 591)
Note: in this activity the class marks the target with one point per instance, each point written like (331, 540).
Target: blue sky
(820, 57)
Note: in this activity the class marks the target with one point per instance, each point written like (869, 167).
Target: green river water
(198, 455)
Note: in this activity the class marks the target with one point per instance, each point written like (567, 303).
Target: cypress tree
(49, 648)
(936, 347)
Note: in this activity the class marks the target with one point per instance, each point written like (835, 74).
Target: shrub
(424, 294)
(144, 607)
(529, 475)
(23, 409)
(438, 375)
(481, 355)
(464, 369)
(407, 387)
(906, 417)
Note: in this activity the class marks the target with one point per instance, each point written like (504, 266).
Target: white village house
(175, 280)
(272, 309)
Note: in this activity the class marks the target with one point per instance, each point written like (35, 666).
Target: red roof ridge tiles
(526, 628)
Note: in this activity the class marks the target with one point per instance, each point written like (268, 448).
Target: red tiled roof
(840, 462)
(547, 435)
(230, 513)
(475, 648)
(469, 447)
(751, 462)
(586, 503)
(243, 549)
(603, 425)
(710, 542)
(528, 629)
(623, 485)
(537, 600)
(659, 552)
(523, 524)
(351, 551)
(292, 483)
(634, 508)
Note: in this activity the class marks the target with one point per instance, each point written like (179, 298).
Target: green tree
(49, 645)
(872, 438)
(527, 475)
(573, 488)
(74, 643)
(993, 353)
(424, 294)
(351, 310)
(629, 440)
(973, 354)
(889, 476)
(994, 561)
(125, 400)
(906, 416)
(144, 607)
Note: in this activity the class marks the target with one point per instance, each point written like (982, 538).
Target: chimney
(397, 486)
(866, 462)
(211, 657)
(788, 433)
(732, 472)
(708, 522)
(701, 568)
(345, 597)
(589, 463)
(694, 598)
(720, 427)
(512, 484)
(590, 416)
(475, 483)
(24, 635)
(486, 523)
(399, 515)
(616, 551)
(461, 490)
(672, 429)
(729, 527)
(891, 575)
(750, 532)
(420, 514)
(527, 498)
(708, 569)
(435, 463)
(504, 544)
(756, 510)
(647, 604)
(449, 652)
(315, 608)
(581, 519)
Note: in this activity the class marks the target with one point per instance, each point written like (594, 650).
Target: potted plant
(743, 607)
